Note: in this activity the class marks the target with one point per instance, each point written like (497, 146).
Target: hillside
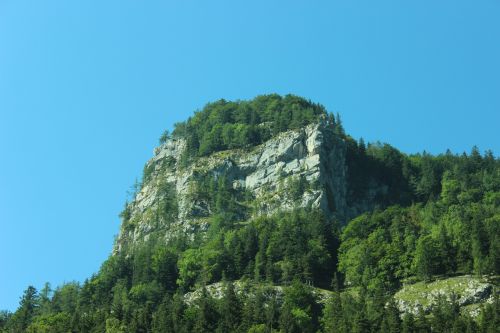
(265, 216)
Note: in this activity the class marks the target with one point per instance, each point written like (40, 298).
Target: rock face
(312, 157)
(218, 289)
(465, 290)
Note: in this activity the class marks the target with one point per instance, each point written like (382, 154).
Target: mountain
(265, 216)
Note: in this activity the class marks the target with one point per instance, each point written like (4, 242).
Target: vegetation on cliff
(226, 125)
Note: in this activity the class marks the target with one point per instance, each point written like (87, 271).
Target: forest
(439, 217)
(226, 125)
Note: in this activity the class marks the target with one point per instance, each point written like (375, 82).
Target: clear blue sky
(87, 87)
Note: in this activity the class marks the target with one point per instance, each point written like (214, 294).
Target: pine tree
(45, 298)
(271, 313)
(339, 129)
(408, 324)
(362, 146)
(445, 313)
(446, 252)
(177, 312)
(333, 316)
(28, 307)
(206, 314)
(392, 317)
(421, 323)
(230, 310)
(425, 257)
(489, 320)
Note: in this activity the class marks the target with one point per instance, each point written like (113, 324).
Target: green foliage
(378, 173)
(427, 259)
(301, 244)
(332, 319)
(377, 249)
(24, 315)
(168, 207)
(189, 268)
(204, 314)
(148, 172)
(300, 311)
(164, 137)
(296, 186)
(456, 232)
(230, 310)
(226, 203)
(4, 319)
(228, 125)
(51, 323)
(164, 264)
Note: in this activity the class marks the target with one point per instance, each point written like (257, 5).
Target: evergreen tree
(177, 313)
(230, 310)
(392, 317)
(299, 311)
(421, 323)
(28, 307)
(445, 313)
(206, 315)
(333, 317)
(45, 299)
(425, 258)
(162, 318)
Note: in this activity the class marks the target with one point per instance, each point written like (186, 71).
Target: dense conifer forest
(298, 270)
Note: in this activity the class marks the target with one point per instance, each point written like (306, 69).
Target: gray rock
(312, 152)
(217, 290)
(465, 290)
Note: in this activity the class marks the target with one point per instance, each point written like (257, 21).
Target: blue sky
(87, 87)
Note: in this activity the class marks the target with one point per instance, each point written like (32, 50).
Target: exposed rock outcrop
(465, 290)
(313, 154)
(246, 289)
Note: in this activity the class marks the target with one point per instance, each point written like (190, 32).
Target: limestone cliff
(172, 200)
